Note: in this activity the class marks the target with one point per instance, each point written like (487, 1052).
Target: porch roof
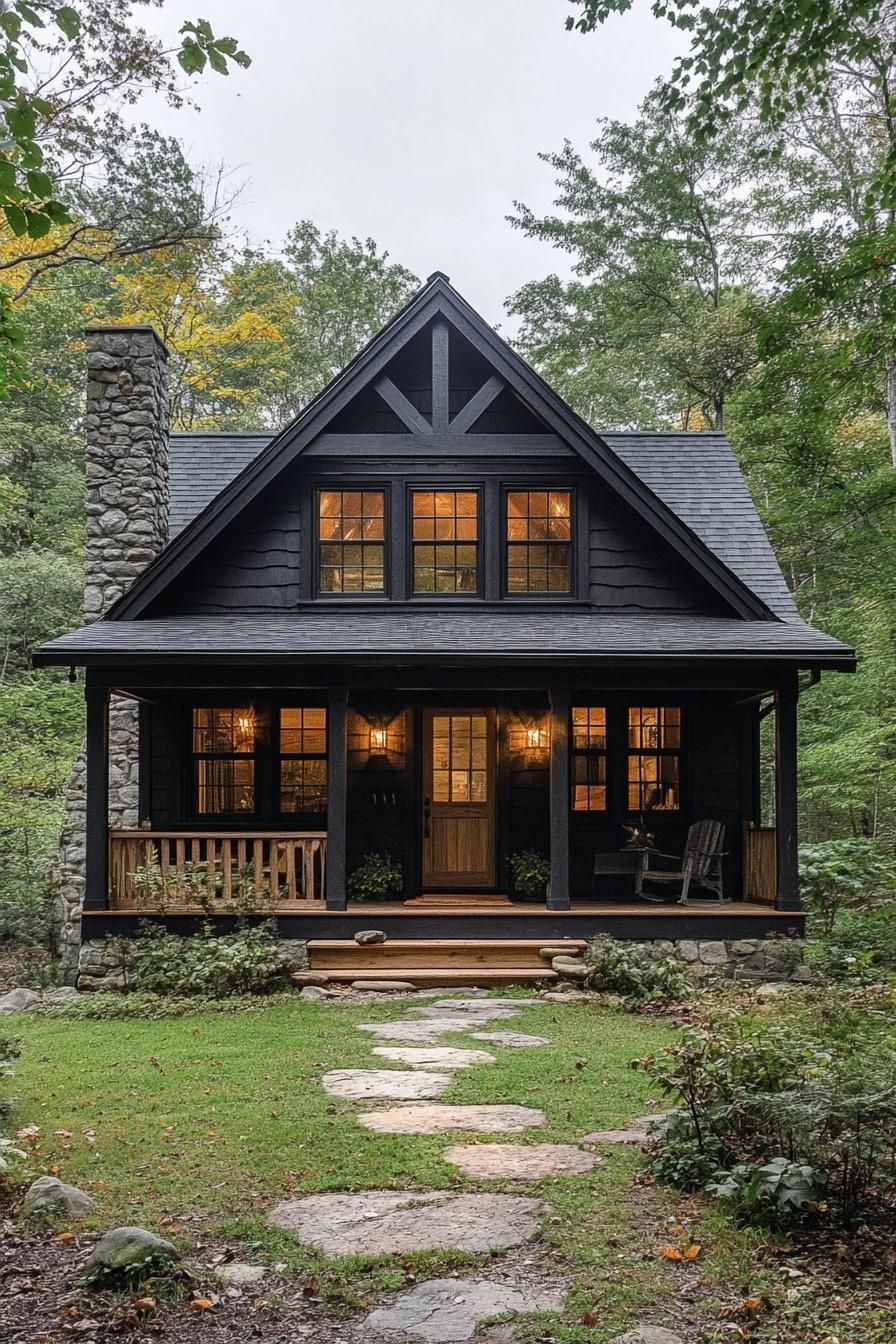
(447, 635)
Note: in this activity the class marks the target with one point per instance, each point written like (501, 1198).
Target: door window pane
(460, 758)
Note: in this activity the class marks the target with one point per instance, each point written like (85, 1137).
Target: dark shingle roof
(200, 465)
(695, 474)
(450, 635)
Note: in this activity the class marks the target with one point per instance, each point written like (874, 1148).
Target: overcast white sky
(414, 122)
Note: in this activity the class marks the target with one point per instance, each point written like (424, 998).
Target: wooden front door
(459, 798)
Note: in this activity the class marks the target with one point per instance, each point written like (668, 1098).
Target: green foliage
(779, 1192)
(792, 1111)
(531, 872)
(377, 877)
(683, 1157)
(838, 873)
(248, 961)
(141, 1006)
(9, 1050)
(858, 945)
(647, 974)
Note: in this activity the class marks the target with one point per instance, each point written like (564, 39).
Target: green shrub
(9, 1050)
(836, 874)
(639, 974)
(859, 944)
(106, 1006)
(681, 1156)
(377, 877)
(789, 1112)
(248, 961)
(531, 873)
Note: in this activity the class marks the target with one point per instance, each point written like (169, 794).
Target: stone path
(388, 1222)
(384, 1084)
(435, 1057)
(438, 1119)
(380, 1222)
(519, 1161)
(450, 1309)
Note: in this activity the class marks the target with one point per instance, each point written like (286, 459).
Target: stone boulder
(48, 1197)
(18, 1001)
(364, 937)
(648, 1334)
(63, 994)
(570, 967)
(384, 986)
(128, 1248)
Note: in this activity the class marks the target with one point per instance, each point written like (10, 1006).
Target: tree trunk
(891, 406)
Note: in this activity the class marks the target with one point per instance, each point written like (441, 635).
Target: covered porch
(451, 781)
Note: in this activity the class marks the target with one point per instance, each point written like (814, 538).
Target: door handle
(427, 815)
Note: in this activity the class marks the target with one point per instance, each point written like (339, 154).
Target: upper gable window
(445, 541)
(351, 539)
(539, 541)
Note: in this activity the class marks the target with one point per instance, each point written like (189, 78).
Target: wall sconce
(378, 741)
(536, 738)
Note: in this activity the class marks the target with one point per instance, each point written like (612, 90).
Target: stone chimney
(126, 499)
(126, 427)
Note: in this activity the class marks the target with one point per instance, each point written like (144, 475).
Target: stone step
(433, 977)
(431, 954)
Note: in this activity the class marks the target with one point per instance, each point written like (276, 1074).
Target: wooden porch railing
(760, 864)
(224, 871)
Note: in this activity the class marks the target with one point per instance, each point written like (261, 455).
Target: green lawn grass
(201, 1123)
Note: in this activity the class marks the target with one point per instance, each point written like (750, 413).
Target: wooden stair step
(522, 954)
(435, 976)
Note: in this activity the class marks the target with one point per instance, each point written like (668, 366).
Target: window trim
(249, 815)
(348, 487)
(434, 487)
(572, 592)
(277, 757)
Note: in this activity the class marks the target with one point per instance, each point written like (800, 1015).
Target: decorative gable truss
(457, 378)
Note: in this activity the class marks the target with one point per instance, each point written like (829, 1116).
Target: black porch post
(788, 897)
(96, 783)
(337, 795)
(558, 892)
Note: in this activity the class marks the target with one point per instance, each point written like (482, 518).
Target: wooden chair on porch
(699, 866)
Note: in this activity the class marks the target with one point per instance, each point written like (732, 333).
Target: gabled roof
(437, 298)
(695, 473)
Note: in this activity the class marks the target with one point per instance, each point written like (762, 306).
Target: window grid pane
(539, 532)
(303, 759)
(351, 538)
(445, 535)
(654, 760)
(223, 759)
(589, 758)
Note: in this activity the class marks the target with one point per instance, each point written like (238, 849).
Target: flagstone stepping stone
(636, 1131)
(386, 1084)
(433, 1057)
(439, 1119)
(476, 1005)
(518, 1161)
(450, 1309)
(481, 1012)
(392, 1222)
(648, 1334)
(238, 1274)
(515, 1039)
(420, 1033)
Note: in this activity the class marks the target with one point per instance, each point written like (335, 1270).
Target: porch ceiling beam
(469, 414)
(396, 400)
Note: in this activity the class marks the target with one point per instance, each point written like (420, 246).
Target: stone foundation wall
(749, 959)
(103, 962)
(126, 486)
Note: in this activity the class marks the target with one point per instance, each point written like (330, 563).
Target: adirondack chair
(699, 866)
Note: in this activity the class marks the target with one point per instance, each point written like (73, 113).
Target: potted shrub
(376, 878)
(531, 874)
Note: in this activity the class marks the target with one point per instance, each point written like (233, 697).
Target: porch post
(96, 783)
(558, 892)
(337, 790)
(788, 889)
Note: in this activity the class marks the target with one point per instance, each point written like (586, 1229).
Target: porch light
(377, 741)
(536, 738)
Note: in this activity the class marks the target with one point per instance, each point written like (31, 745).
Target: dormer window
(351, 536)
(539, 541)
(445, 541)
